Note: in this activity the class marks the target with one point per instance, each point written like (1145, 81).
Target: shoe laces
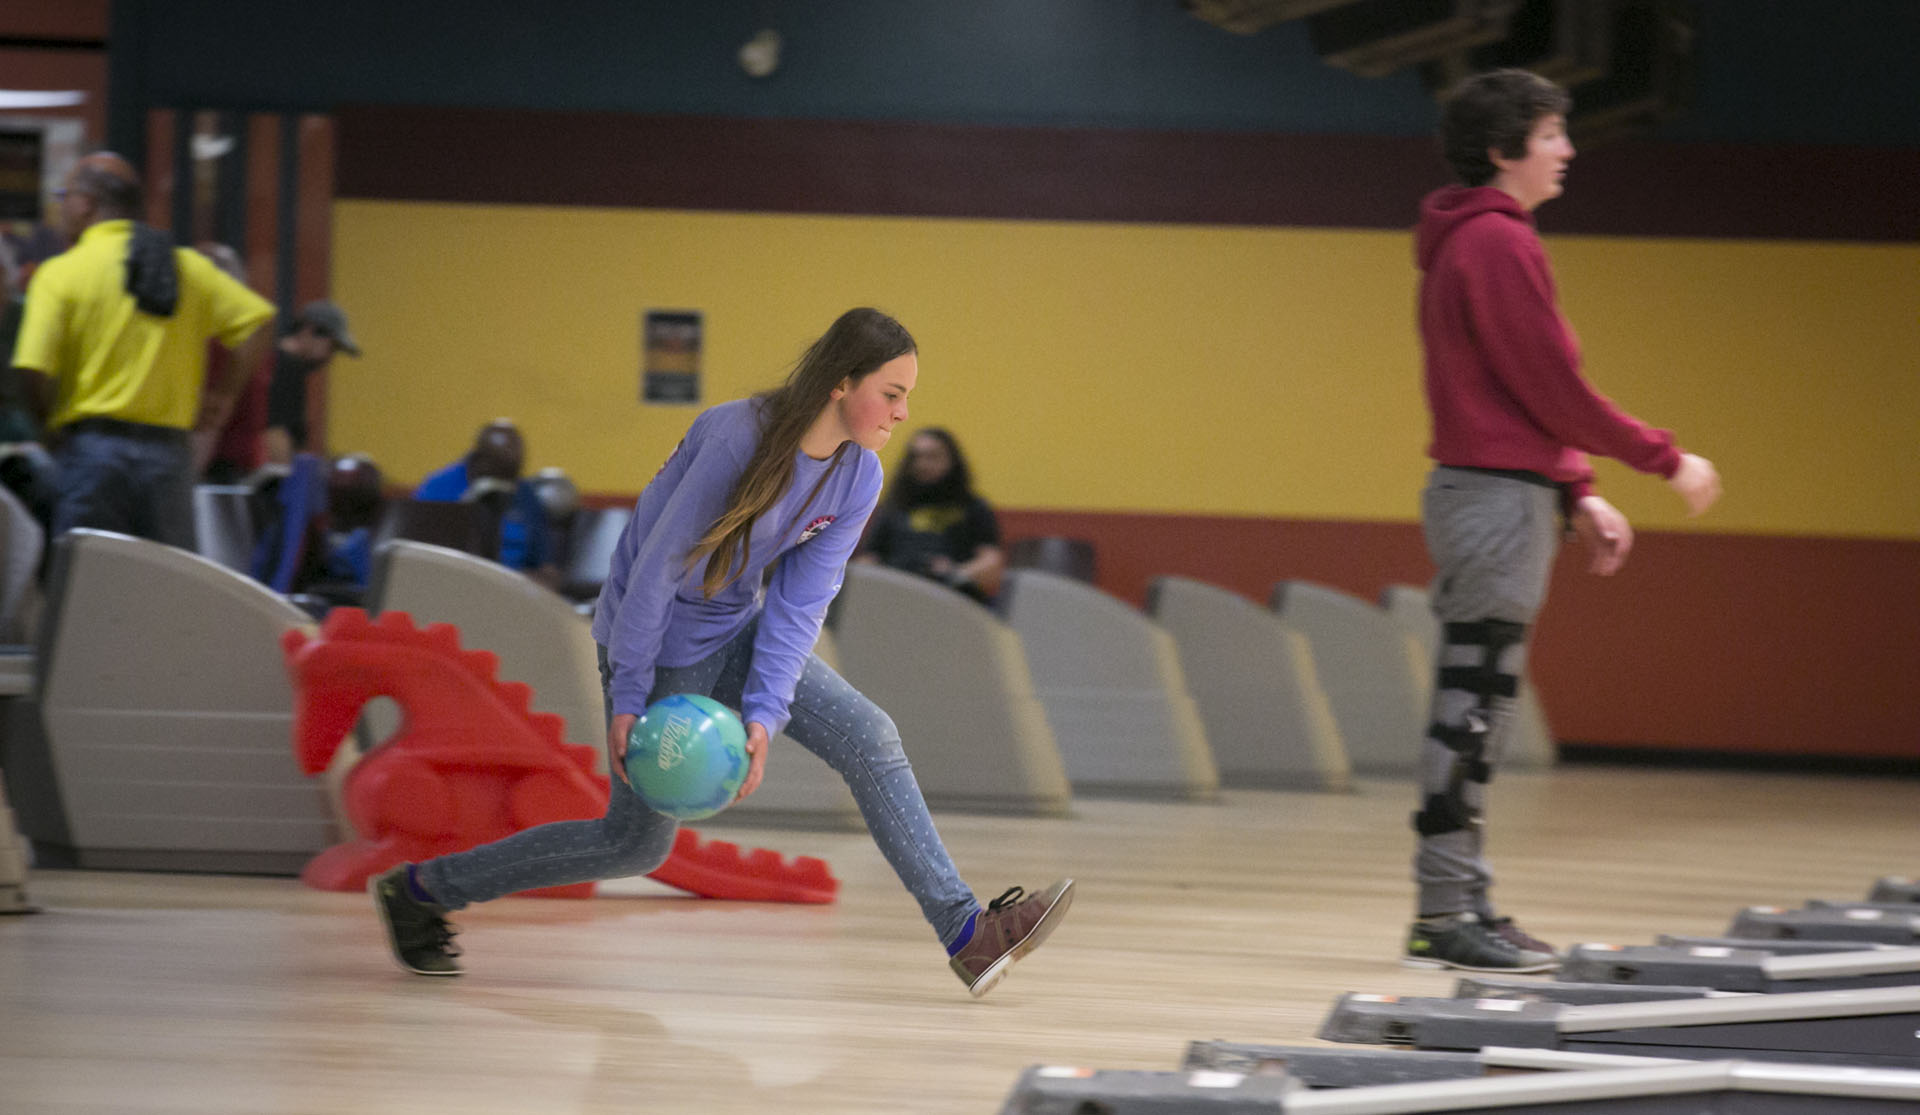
(1483, 935)
(433, 931)
(1506, 930)
(441, 932)
(1012, 897)
(1472, 927)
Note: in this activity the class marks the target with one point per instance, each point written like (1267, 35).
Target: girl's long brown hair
(851, 350)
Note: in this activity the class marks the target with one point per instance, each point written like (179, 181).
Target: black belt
(139, 431)
(1525, 476)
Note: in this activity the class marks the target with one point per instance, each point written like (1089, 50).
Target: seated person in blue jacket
(494, 463)
(933, 524)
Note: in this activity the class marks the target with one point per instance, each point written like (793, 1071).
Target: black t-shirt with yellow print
(909, 538)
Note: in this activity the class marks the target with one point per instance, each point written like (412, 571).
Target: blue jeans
(830, 718)
(129, 478)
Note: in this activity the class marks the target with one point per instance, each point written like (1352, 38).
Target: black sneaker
(1463, 941)
(422, 939)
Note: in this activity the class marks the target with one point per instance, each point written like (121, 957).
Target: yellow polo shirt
(109, 360)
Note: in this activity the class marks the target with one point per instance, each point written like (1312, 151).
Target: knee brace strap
(1495, 633)
(1486, 681)
(1449, 812)
(1481, 681)
(1465, 741)
(1467, 744)
(1443, 814)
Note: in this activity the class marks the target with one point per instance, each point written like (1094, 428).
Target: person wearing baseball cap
(315, 334)
(329, 321)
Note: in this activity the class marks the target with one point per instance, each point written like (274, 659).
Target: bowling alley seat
(541, 641)
(468, 527)
(163, 718)
(1110, 681)
(1069, 557)
(591, 539)
(954, 678)
(223, 524)
(1371, 669)
(13, 861)
(1531, 745)
(1266, 716)
(22, 543)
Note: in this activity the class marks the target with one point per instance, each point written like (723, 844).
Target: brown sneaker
(1008, 929)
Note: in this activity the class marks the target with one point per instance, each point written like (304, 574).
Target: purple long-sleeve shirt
(652, 610)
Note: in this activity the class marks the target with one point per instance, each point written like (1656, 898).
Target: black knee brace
(1449, 812)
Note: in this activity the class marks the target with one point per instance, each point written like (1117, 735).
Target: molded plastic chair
(468, 527)
(590, 544)
(1069, 557)
(22, 543)
(955, 681)
(1111, 683)
(166, 715)
(1371, 669)
(223, 524)
(1267, 719)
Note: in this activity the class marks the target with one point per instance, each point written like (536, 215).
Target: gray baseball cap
(330, 321)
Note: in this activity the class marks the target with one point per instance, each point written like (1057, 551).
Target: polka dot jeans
(829, 717)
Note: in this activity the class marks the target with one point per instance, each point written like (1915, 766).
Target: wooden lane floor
(1240, 921)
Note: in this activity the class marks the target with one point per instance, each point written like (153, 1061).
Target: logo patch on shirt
(814, 528)
(670, 457)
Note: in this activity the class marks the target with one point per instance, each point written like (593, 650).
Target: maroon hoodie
(1503, 367)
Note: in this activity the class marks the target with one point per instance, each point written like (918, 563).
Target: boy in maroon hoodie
(1513, 422)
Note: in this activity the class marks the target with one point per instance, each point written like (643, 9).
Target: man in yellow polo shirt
(113, 347)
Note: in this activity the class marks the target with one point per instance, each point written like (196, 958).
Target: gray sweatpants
(1492, 539)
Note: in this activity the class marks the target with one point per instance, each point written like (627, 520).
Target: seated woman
(933, 524)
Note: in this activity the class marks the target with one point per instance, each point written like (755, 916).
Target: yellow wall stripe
(1103, 367)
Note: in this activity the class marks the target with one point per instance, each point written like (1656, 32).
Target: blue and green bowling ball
(686, 756)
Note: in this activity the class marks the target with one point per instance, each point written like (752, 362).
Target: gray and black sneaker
(1463, 941)
(421, 937)
(1504, 928)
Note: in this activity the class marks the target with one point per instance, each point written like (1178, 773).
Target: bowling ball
(686, 756)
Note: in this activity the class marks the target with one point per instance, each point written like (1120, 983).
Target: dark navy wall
(1770, 71)
(1806, 71)
(1078, 63)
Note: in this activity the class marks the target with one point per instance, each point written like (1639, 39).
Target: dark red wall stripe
(1778, 645)
(1743, 644)
(933, 170)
